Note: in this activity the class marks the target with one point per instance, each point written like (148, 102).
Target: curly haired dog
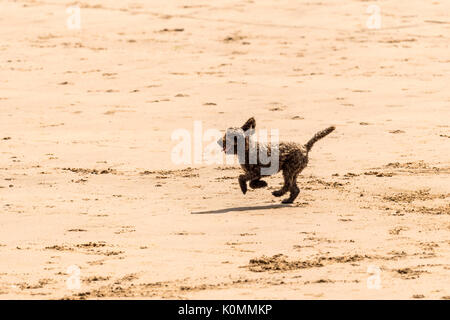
(292, 158)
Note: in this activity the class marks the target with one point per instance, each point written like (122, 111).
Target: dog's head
(234, 136)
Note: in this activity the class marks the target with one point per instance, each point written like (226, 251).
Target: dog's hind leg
(287, 183)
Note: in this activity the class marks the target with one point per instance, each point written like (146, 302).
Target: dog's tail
(319, 135)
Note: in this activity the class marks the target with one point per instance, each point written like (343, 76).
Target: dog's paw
(278, 193)
(286, 201)
(243, 186)
(255, 184)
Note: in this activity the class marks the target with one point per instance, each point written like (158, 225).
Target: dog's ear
(250, 124)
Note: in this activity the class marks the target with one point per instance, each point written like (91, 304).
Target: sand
(88, 190)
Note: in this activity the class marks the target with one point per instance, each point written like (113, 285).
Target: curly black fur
(293, 158)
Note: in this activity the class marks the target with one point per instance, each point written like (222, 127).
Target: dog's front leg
(250, 173)
(243, 178)
(257, 183)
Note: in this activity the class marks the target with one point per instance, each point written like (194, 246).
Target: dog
(292, 158)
